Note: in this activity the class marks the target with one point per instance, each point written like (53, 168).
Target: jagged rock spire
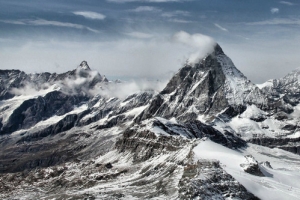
(84, 65)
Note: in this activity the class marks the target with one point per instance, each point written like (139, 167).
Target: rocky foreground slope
(61, 137)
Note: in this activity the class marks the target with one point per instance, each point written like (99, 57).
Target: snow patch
(268, 83)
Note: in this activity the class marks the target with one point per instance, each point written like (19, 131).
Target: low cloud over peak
(202, 44)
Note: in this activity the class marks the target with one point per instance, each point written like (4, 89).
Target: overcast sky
(135, 38)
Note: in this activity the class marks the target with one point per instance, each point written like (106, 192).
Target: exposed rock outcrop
(251, 166)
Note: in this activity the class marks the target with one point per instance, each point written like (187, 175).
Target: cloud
(90, 15)
(180, 21)
(139, 35)
(277, 21)
(124, 89)
(43, 22)
(274, 10)
(145, 9)
(30, 89)
(81, 85)
(175, 13)
(203, 44)
(16, 22)
(126, 58)
(287, 3)
(221, 28)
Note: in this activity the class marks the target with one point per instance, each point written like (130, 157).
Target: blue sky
(134, 38)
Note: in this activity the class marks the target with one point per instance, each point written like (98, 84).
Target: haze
(131, 39)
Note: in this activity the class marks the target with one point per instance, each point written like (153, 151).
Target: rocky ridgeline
(12, 80)
(140, 144)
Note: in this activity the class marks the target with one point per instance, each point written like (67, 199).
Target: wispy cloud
(175, 13)
(17, 22)
(139, 35)
(180, 21)
(145, 9)
(90, 15)
(277, 21)
(174, 16)
(43, 22)
(287, 3)
(221, 28)
(274, 10)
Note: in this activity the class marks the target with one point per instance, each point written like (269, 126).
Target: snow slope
(238, 89)
(279, 183)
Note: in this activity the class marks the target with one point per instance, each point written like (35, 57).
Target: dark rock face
(46, 142)
(191, 186)
(267, 164)
(10, 79)
(65, 124)
(57, 146)
(288, 144)
(108, 166)
(113, 122)
(145, 144)
(289, 127)
(283, 94)
(199, 86)
(35, 155)
(134, 101)
(258, 119)
(227, 139)
(291, 148)
(32, 111)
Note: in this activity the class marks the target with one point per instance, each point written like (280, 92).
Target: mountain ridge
(69, 139)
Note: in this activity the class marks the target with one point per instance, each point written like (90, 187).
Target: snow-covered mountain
(204, 90)
(209, 134)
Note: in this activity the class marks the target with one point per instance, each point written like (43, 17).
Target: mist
(154, 58)
(203, 44)
(79, 85)
(158, 57)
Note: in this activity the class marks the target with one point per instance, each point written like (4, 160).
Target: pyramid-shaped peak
(84, 65)
(205, 88)
(218, 50)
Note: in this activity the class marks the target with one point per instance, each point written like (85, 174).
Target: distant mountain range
(209, 134)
